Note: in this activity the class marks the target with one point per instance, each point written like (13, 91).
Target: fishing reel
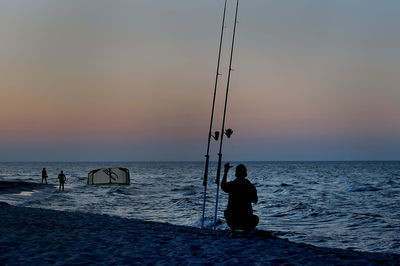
(227, 132)
(216, 135)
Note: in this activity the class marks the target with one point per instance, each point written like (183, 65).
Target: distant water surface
(351, 205)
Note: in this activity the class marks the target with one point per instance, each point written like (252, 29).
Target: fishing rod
(229, 131)
(216, 134)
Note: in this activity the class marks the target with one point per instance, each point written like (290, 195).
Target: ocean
(352, 205)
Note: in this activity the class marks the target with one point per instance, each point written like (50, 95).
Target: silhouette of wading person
(242, 193)
(44, 175)
(61, 178)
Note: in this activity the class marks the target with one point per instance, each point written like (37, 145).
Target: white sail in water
(109, 176)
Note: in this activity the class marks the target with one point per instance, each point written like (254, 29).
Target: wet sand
(13, 187)
(40, 236)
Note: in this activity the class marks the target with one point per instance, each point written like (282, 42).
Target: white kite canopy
(109, 176)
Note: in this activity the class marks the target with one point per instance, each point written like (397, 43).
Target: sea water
(352, 205)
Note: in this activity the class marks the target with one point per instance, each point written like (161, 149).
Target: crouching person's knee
(255, 221)
(229, 219)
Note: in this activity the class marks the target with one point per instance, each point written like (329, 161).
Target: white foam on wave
(37, 197)
(208, 222)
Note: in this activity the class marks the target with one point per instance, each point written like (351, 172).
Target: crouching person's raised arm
(224, 184)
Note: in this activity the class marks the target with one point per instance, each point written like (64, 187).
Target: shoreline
(17, 186)
(42, 236)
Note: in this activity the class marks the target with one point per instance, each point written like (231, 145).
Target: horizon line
(194, 161)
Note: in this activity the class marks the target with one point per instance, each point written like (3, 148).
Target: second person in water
(61, 178)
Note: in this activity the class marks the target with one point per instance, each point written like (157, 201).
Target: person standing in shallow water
(44, 175)
(61, 178)
(242, 193)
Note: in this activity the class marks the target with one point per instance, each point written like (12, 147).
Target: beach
(42, 237)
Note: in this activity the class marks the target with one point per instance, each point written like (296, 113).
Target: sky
(133, 80)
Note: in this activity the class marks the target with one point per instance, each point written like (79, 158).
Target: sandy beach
(30, 236)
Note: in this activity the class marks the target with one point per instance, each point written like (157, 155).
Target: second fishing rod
(228, 132)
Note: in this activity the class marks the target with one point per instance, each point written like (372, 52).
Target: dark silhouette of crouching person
(242, 193)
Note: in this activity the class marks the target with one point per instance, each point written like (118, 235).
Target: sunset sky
(133, 80)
